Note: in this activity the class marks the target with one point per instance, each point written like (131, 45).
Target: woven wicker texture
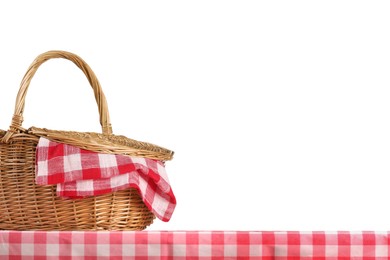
(27, 206)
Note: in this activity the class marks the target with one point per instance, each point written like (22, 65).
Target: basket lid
(103, 143)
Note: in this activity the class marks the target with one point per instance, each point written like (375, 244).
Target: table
(193, 245)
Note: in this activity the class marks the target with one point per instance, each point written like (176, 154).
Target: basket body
(27, 206)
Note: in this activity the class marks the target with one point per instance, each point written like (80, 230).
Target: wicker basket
(27, 206)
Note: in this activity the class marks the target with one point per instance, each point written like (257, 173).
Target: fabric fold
(80, 173)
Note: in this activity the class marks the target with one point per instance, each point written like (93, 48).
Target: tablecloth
(193, 245)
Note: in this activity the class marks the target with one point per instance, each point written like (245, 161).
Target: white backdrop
(278, 111)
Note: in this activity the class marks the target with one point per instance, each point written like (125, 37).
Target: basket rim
(97, 142)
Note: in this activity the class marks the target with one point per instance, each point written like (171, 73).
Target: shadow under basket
(27, 206)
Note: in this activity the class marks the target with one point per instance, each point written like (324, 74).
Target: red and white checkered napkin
(81, 173)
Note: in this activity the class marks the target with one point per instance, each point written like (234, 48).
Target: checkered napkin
(80, 173)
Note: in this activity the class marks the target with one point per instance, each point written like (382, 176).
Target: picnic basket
(27, 206)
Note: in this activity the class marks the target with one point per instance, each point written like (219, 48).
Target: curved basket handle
(17, 118)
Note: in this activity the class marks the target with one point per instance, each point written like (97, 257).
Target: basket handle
(17, 118)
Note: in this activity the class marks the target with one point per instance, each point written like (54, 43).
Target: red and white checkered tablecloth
(193, 245)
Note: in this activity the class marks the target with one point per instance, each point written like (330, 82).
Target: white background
(278, 111)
